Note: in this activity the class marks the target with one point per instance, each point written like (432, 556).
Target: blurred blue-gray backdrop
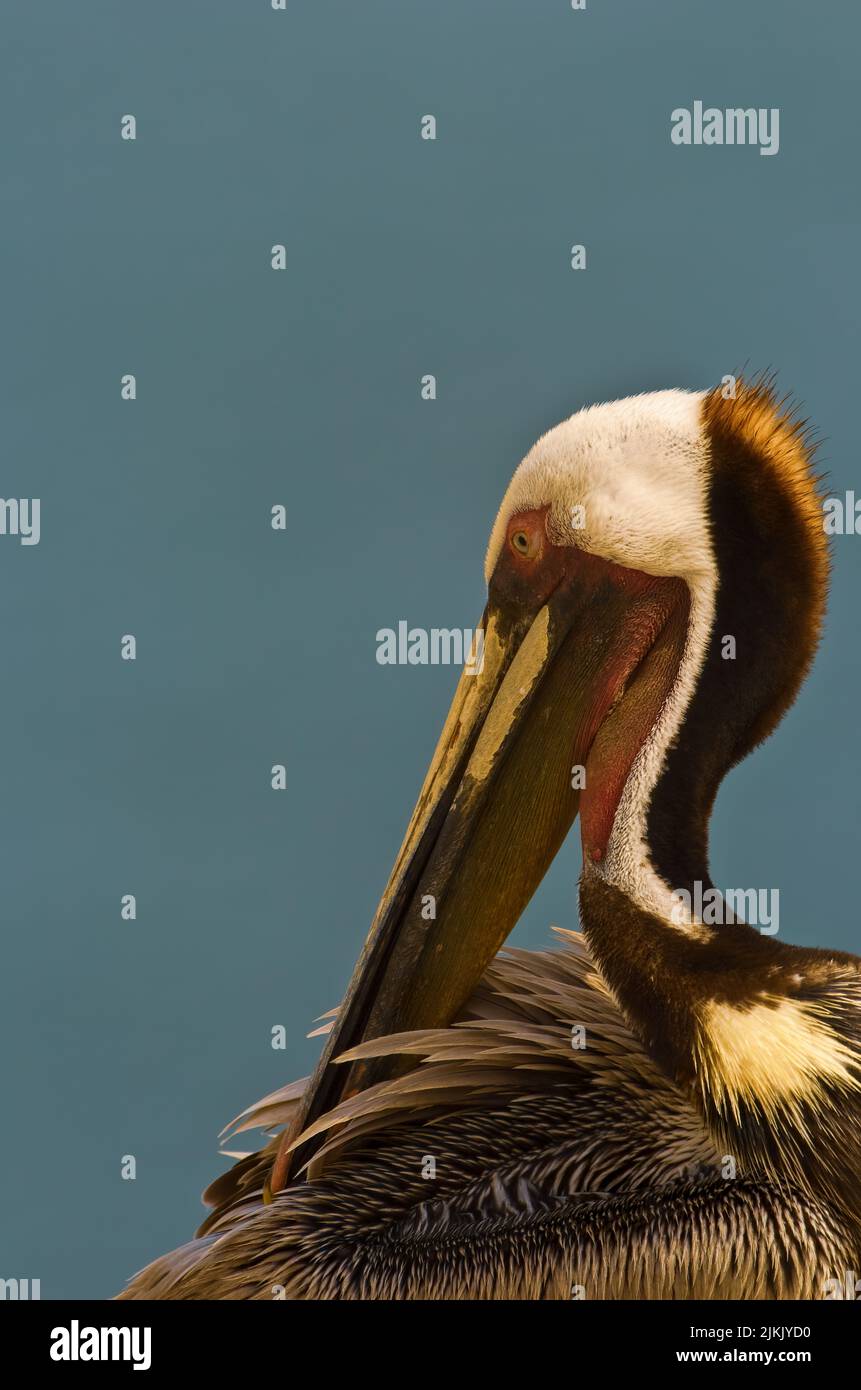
(405, 257)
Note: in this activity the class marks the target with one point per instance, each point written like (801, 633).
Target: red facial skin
(631, 665)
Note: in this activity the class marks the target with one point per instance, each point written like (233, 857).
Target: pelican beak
(500, 795)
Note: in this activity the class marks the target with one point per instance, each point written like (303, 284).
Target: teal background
(255, 388)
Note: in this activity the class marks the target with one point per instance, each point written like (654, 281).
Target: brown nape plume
(764, 452)
(771, 551)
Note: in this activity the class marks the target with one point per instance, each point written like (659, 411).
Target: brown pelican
(667, 1106)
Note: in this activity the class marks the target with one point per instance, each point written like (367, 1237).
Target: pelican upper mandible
(702, 1140)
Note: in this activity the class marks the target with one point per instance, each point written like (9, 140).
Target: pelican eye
(523, 544)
